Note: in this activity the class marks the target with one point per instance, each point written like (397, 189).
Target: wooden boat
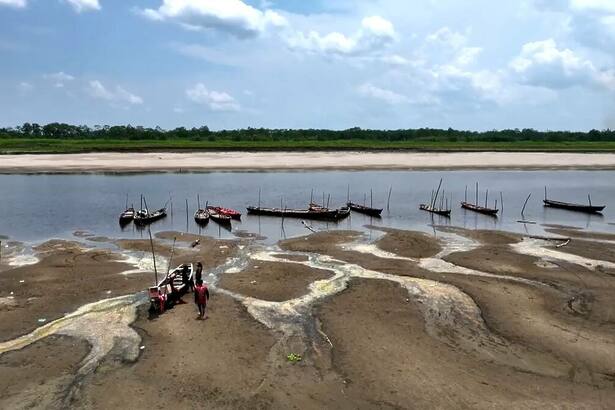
(171, 288)
(442, 212)
(127, 216)
(480, 209)
(218, 217)
(226, 211)
(201, 216)
(145, 217)
(342, 212)
(591, 209)
(310, 213)
(367, 210)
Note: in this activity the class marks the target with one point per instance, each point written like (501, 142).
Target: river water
(34, 208)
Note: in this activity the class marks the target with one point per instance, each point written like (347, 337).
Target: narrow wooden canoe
(317, 214)
(442, 212)
(591, 209)
(364, 209)
(218, 217)
(480, 209)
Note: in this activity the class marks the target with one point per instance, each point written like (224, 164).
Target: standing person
(199, 271)
(201, 297)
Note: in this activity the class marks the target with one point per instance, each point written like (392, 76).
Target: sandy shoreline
(265, 161)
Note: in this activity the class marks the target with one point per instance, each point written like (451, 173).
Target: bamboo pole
(186, 214)
(437, 192)
(198, 201)
(486, 196)
(328, 199)
(502, 201)
(371, 198)
(259, 198)
(525, 203)
(151, 241)
(590, 199)
(465, 197)
(389, 197)
(476, 203)
(348, 194)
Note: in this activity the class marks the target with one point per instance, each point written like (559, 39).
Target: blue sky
(480, 64)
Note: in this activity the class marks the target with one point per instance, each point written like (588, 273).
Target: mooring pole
(486, 196)
(348, 194)
(371, 198)
(476, 203)
(198, 201)
(186, 214)
(312, 196)
(259, 198)
(502, 201)
(465, 198)
(590, 199)
(389, 198)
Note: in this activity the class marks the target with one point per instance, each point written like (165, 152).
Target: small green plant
(294, 358)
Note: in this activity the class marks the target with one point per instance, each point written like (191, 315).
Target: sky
(336, 64)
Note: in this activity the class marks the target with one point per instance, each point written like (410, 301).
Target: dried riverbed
(464, 319)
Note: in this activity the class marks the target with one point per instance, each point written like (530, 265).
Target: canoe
(171, 288)
(442, 212)
(127, 216)
(591, 209)
(317, 214)
(364, 209)
(144, 217)
(201, 216)
(480, 209)
(226, 211)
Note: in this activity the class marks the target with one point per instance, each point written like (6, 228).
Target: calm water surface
(34, 208)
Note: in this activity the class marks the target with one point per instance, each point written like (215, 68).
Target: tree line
(128, 132)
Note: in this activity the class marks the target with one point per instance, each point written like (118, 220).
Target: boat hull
(574, 207)
(324, 215)
(480, 209)
(441, 212)
(366, 210)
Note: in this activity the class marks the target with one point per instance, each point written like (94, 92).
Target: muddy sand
(350, 160)
(459, 319)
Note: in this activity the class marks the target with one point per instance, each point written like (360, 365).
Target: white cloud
(215, 100)
(231, 16)
(25, 88)
(388, 96)
(59, 79)
(117, 96)
(14, 3)
(84, 5)
(448, 38)
(598, 6)
(375, 34)
(543, 64)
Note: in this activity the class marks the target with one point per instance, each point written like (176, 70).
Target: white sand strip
(350, 160)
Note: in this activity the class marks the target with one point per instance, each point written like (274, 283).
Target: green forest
(58, 137)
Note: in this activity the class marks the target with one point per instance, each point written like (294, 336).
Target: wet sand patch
(38, 375)
(396, 362)
(582, 234)
(273, 281)
(66, 277)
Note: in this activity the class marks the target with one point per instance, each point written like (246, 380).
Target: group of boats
(442, 207)
(438, 204)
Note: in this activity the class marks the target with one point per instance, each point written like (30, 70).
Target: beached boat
(310, 213)
(592, 209)
(480, 209)
(145, 217)
(171, 288)
(226, 211)
(442, 212)
(127, 216)
(367, 210)
(201, 216)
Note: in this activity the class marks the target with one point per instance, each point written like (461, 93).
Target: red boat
(226, 211)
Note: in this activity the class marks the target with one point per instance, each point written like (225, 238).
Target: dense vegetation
(56, 137)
